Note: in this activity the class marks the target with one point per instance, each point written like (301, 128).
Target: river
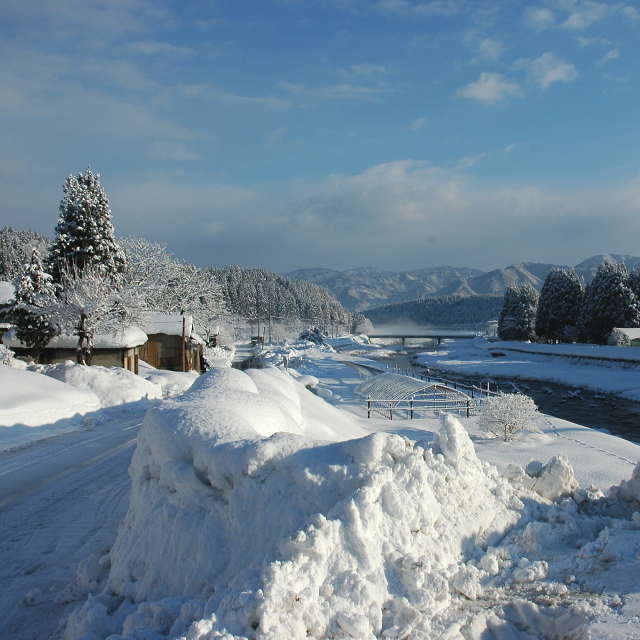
(591, 409)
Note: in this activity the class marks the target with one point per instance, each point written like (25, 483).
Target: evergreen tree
(34, 290)
(559, 306)
(84, 234)
(518, 313)
(608, 302)
(15, 251)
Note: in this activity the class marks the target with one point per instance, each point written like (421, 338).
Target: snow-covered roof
(169, 324)
(7, 291)
(127, 339)
(632, 334)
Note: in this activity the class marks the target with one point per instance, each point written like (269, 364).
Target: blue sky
(331, 133)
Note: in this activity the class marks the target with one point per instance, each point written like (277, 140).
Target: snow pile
(171, 382)
(114, 386)
(33, 406)
(245, 521)
(216, 357)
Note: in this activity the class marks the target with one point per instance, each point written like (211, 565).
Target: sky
(290, 134)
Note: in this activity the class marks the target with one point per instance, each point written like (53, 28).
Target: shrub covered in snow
(506, 415)
(313, 334)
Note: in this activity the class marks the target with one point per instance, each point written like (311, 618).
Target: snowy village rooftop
(127, 339)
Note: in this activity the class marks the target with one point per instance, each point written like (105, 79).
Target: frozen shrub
(313, 334)
(507, 414)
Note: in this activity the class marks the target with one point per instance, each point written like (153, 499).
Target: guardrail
(386, 408)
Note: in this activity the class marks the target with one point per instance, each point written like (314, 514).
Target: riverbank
(586, 404)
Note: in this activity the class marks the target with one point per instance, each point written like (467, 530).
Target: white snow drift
(31, 403)
(259, 511)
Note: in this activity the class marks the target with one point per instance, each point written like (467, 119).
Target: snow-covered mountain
(369, 287)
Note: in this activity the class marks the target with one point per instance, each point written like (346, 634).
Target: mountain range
(369, 287)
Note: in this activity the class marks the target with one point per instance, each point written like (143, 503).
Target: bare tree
(92, 302)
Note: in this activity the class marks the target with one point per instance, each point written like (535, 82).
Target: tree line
(568, 310)
(86, 283)
(442, 310)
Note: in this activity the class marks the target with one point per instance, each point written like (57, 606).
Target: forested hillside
(256, 293)
(442, 311)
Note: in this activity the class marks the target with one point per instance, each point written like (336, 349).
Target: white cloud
(152, 48)
(407, 9)
(490, 49)
(342, 91)
(547, 69)
(584, 13)
(276, 136)
(490, 88)
(539, 18)
(585, 42)
(418, 123)
(613, 54)
(391, 208)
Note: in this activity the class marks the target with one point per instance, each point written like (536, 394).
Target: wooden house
(173, 344)
(121, 349)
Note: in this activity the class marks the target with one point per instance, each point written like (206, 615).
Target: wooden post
(411, 408)
(467, 407)
(184, 337)
(368, 406)
(390, 412)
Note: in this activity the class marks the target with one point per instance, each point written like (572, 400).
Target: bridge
(433, 335)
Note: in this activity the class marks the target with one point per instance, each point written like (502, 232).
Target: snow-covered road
(61, 501)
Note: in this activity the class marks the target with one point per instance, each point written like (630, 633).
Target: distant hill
(369, 287)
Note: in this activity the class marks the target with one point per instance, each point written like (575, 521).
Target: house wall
(163, 351)
(126, 358)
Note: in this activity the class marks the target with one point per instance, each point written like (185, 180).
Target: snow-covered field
(264, 504)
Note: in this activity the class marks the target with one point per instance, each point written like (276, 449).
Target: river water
(591, 409)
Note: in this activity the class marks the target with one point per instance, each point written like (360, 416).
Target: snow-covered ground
(263, 509)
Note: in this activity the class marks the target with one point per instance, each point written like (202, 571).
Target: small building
(173, 344)
(624, 337)
(121, 349)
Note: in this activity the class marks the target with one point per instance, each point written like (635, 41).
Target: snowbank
(33, 407)
(171, 382)
(254, 515)
(114, 386)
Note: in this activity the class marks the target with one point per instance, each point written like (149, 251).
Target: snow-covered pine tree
(34, 290)
(15, 251)
(84, 234)
(518, 313)
(559, 306)
(609, 302)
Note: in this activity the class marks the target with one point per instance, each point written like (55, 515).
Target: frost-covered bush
(313, 334)
(6, 355)
(507, 414)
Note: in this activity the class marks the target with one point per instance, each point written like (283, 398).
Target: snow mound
(114, 386)
(267, 533)
(171, 382)
(33, 406)
(259, 511)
